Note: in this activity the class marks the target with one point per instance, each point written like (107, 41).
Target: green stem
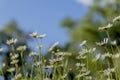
(110, 41)
(13, 50)
(22, 58)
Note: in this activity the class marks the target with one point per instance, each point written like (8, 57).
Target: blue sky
(43, 16)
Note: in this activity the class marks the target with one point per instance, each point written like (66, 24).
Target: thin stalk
(110, 41)
(13, 49)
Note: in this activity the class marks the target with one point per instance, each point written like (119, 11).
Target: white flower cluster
(102, 43)
(106, 27)
(116, 19)
(53, 46)
(36, 35)
(11, 41)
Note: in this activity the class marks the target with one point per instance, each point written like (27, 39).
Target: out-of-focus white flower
(41, 36)
(33, 54)
(83, 74)
(83, 43)
(81, 57)
(94, 49)
(39, 46)
(84, 51)
(14, 62)
(113, 42)
(116, 19)
(37, 63)
(52, 61)
(87, 72)
(80, 64)
(106, 27)
(102, 43)
(89, 78)
(11, 69)
(14, 56)
(18, 76)
(77, 64)
(21, 48)
(107, 55)
(97, 57)
(64, 76)
(108, 71)
(3, 64)
(49, 66)
(116, 56)
(11, 41)
(53, 46)
(34, 35)
(87, 51)
(84, 69)
(79, 75)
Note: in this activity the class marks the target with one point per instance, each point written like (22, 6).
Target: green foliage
(11, 30)
(99, 13)
(68, 23)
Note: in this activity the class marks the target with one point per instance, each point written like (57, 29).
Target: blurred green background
(69, 22)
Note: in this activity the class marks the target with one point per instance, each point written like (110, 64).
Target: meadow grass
(90, 65)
